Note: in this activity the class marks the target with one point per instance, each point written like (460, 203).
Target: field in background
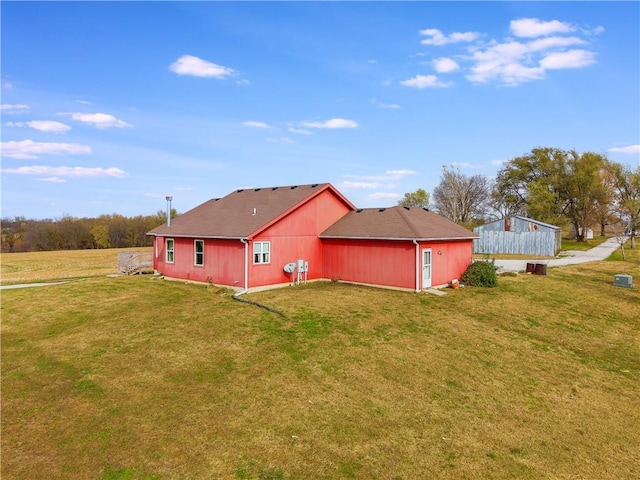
(140, 378)
(29, 267)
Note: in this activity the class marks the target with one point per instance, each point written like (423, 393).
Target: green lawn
(140, 378)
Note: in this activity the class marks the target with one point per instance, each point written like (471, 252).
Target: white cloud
(436, 37)
(244, 82)
(279, 140)
(532, 27)
(333, 123)
(251, 123)
(83, 102)
(7, 86)
(515, 62)
(76, 172)
(14, 108)
(445, 65)
(392, 106)
(99, 120)
(28, 149)
(424, 81)
(300, 131)
(631, 149)
(568, 59)
(384, 196)
(52, 180)
(467, 165)
(348, 184)
(190, 65)
(498, 162)
(396, 174)
(48, 126)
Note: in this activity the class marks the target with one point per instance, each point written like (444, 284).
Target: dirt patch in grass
(141, 378)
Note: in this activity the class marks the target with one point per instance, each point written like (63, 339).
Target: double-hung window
(198, 253)
(261, 251)
(170, 247)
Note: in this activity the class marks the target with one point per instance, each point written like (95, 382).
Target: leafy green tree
(626, 186)
(417, 199)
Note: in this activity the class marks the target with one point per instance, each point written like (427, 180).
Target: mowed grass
(30, 267)
(134, 377)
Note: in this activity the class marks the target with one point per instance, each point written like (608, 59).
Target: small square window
(261, 251)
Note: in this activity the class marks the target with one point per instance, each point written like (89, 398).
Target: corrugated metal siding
(526, 243)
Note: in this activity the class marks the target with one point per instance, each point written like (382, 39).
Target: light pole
(169, 198)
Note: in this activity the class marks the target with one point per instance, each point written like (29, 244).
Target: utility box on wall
(623, 281)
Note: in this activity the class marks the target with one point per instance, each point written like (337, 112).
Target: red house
(265, 237)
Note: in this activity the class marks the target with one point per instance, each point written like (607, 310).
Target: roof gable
(396, 223)
(244, 212)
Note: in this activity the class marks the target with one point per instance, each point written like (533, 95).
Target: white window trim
(195, 253)
(172, 250)
(262, 253)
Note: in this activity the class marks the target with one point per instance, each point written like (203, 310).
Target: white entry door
(426, 268)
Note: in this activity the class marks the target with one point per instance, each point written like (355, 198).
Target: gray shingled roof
(233, 215)
(397, 223)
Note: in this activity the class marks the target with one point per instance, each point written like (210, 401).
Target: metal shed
(518, 235)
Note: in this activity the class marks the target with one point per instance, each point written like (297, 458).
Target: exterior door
(426, 268)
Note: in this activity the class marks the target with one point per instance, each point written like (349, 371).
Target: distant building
(518, 235)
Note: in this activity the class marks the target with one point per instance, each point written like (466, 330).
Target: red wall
(223, 261)
(393, 263)
(294, 237)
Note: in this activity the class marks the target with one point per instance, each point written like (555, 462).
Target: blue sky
(109, 107)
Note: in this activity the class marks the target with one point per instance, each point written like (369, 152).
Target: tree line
(20, 234)
(560, 187)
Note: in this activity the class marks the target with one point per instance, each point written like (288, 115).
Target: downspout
(418, 289)
(246, 269)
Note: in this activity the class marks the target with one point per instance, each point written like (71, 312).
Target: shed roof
(396, 223)
(244, 212)
(526, 219)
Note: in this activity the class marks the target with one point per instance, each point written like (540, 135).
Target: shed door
(426, 268)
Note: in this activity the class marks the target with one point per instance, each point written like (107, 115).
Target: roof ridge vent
(425, 209)
(407, 208)
(257, 189)
(275, 188)
(358, 210)
(294, 187)
(240, 190)
(381, 209)
(314, 185)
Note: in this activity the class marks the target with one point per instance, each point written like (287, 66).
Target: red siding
(223, 261)
(452, 263)
(393, 263)
(295, 237)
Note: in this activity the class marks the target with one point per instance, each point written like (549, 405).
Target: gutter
(418, 289)
(425, 239)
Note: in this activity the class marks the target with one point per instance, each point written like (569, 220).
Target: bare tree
(463, 199)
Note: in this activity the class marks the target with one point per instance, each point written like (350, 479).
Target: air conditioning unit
(623, 281)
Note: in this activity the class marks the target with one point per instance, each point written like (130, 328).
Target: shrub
(481, 274)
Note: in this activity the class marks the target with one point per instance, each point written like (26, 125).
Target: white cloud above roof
(631, 149)
(436, 37)
(197, 67)
(425, 81)
(568, 59)
(532, 27)
(445, 65)
(48, 126)
(63, 171)
(14, 108)
(99, 120)
(254, 124)
(333, 123)
(28, 149)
